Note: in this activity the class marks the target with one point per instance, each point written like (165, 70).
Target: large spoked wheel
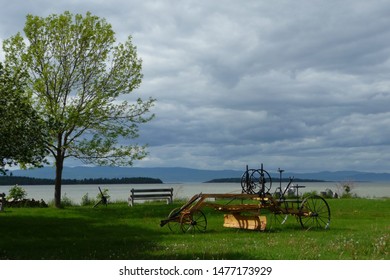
(275, 220)
(256, 181)
(246, 183)
(314, 213)
(174, 218)
(193, 222)
(261, 182)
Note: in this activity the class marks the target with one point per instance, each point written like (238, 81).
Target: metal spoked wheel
(174, 218)
(193, 222)
(279, 219)
(253, 180)
(275, 220)
(314, 213)
(246, 183)
(261, 182)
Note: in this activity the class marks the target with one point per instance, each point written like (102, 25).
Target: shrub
(17, 193)
(66, 201)
(86, 200)
(345, 189)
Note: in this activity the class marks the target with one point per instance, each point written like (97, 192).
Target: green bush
(347, 190)
(86, 200)
(17, 193)
(66, 201)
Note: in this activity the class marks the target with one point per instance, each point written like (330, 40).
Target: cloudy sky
(301, 85)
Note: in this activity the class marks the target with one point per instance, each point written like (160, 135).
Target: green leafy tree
(79, 77)
(21, 129)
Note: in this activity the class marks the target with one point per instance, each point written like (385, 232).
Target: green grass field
(360, 229)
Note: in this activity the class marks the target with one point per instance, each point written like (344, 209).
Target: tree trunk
(58, 180)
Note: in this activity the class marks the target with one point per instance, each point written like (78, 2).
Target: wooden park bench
(151, 194)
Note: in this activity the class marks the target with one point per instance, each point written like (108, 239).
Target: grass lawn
(360, 229)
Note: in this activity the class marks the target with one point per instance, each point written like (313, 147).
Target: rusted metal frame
(201, 202)
(177, 216)
(198, 201)
(291, 207)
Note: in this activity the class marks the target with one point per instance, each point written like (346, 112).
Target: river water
(187, 190)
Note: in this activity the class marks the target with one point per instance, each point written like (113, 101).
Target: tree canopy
(21, 129)
(79, 78)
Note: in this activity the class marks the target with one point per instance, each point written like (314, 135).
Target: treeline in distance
(19, 180)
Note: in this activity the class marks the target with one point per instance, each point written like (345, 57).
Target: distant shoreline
(238, 180)
(21, 180)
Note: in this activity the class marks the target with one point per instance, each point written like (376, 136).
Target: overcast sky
(300, 85)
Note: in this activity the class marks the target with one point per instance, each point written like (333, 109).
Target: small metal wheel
(192, 222)
(261, 182)
(174, 216)
(314, 212)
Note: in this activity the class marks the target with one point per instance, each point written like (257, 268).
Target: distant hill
(181, 175)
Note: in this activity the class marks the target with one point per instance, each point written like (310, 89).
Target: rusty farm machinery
(246, 209)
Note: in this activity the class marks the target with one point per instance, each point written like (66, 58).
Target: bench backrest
(146, 194)
(151, 190)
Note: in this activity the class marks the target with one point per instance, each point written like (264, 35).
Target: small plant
(17, 193)
(66, 201)
(344, 189)
(347, 187)
(86, 200)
